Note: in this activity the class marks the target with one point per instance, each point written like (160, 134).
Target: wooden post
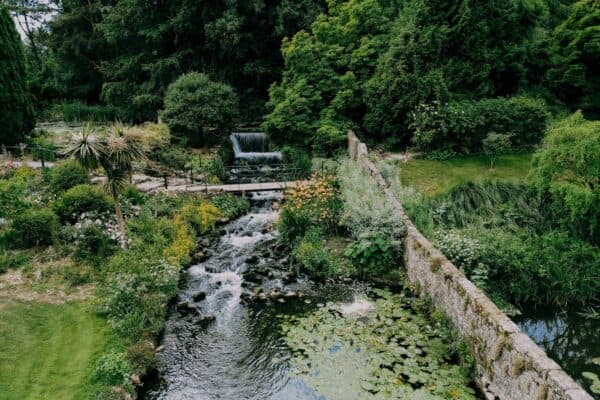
(166, 179)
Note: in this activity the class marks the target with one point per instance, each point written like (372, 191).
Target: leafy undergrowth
(48, 350)
(391, 351)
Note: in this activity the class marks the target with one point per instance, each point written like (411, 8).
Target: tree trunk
(120, 221)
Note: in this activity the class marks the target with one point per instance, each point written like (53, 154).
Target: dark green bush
(200, 110)
(65, 175)
(166, 158)
(312, 256)
(553, 268)
(78, 111)
(226, 151)
(373, 256)
(567, 169)
(79, 199)
(35, 227)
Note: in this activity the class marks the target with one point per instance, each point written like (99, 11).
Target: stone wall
(509, 364)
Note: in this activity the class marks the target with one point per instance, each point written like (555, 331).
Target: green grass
(433, 178)
(48, 351)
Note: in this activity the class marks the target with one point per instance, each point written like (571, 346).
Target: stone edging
(509, 365)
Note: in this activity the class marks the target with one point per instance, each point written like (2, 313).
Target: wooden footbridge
(231, 188)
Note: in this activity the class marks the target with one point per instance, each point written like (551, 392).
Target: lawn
(48, 351)
(437, 177)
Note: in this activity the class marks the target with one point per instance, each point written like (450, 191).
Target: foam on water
(358, 306)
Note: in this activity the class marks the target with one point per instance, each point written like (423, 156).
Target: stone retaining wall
(509, 364)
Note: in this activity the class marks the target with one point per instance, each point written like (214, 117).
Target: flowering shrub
(312, 203)
(461, 250)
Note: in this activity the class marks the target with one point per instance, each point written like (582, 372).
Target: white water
(359, 306)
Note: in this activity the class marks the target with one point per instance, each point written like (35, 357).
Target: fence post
(166, 180)
(42, 153)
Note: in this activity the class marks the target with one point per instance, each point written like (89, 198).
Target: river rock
(252, 276)
(253, 259)
(288, 278)
(160, 348)
(199, 257)
(184, 308)
(290, 294)
(199, 296)
(208, 318)
(281, 300)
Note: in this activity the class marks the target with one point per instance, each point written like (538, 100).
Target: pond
(244, 328)
(568, 338)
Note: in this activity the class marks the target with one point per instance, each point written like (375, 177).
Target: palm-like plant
(115, 153)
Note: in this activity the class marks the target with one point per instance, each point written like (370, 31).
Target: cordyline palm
(115, 153)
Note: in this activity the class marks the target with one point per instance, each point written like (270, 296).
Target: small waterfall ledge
(253, 147)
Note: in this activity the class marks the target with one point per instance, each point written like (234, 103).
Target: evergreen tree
(575, 73)
(16, 110)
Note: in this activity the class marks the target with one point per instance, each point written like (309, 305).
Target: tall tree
(79, 47)
(574, 75)
(443, 49)
(16, 111)
(231, 41)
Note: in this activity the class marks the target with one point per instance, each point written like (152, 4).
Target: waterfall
(253, 147)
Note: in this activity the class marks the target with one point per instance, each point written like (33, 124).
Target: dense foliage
(371, 65)
(16, 109)
(568, 169)
(126, 53)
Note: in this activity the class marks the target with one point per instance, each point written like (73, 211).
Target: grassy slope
(437, 177)
(47, 351)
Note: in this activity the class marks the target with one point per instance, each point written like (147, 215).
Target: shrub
(312, 256)
(66, 175)
(553, 268)
(297, 162)
(312, 203)
(94, 245)
(12, 196)
(495, 144)
(372, 256)
(226, 151)
(328, 139)
(461, 250)
(136, 291)
(367, 212)
(141, 356)
(462, 126)
(171, 157)
(567, 168)
(201, 217)
(112, 369)
(198, 109)
(80, 199)
(43, 148)
(35, 227)
(231, 206)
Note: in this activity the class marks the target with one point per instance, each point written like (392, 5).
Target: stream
(242, 328)
(241, 354)
(568, 338)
